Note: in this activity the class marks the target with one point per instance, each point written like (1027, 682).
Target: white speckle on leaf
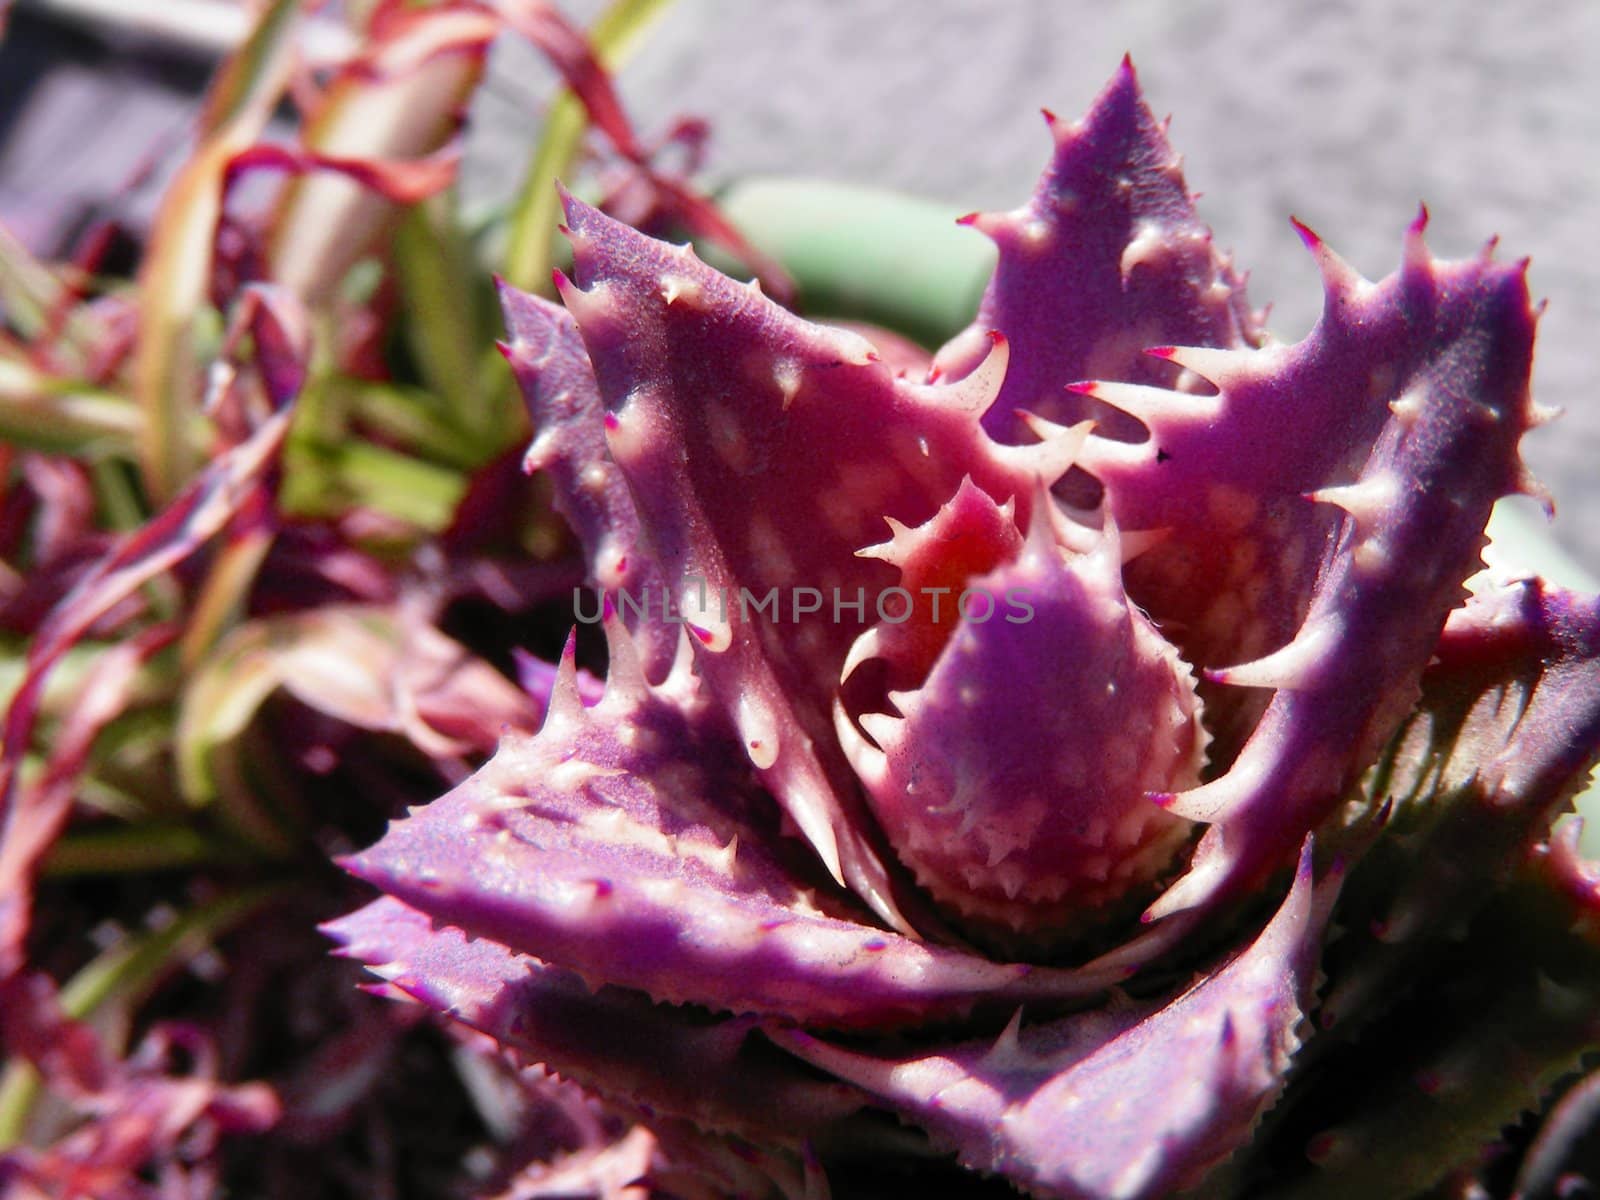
(786, 374)
(1148, 243)
(679, 287)
(758, 731)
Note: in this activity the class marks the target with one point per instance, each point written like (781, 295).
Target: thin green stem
(535, 214)
(145, 847)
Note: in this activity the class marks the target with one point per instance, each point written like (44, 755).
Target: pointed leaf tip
(1047, 1105)
(1309, 237)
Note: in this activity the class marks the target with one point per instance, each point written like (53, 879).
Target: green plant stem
(534, 214)
(143, 847)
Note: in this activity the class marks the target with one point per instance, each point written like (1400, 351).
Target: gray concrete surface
(1343, 113)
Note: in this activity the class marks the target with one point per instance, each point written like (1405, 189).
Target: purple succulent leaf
(1105, 260)
(1448, 403)
(1506, 731)
(612, 1171)
(552, 369)
(1541, 644)
(1133, 1100)
(671, 1157)
(1559, 865)
(763, 451)
(1012, 778)
(1296, 421)
(1497, 1019)
(651, 1057)
(635, 848)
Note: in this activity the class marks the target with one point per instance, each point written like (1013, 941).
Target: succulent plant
(1097, 754)
(1088, 761)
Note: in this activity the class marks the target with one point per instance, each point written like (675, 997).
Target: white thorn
(906, 701)
(882, 728)
(1007, 1049)
(1189, 891)
(892, 551)
(1155, 405)
(1543, 414)
(871, 765)
(1528, 485)
(1217, 366)
(565, 703)
(865, 648)
(624, 672)
(1290, 666)
(1365, 500)
(759, 732)
(1408, 408)
(1215, 802)
(1069, 533)
(542, 451)
(1338, 276)
(1414, 255)
(1104, 453)
(977, 392)
(1049, 460)
(590, 307)
(1040, 428)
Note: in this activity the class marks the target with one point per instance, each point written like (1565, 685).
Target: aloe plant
(1049, 875)
(1090, 760)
